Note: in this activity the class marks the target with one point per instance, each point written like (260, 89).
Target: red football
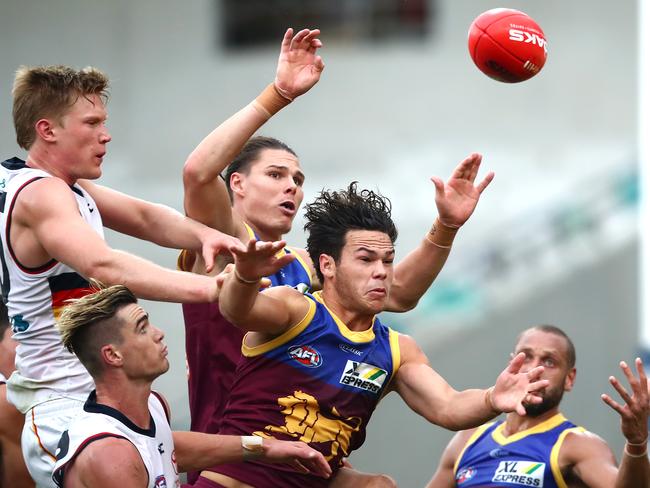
(507, 45)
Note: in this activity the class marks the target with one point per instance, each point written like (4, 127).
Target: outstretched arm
(159, 224)
(429, 395)
(61, 233)
(240, 301)
(206, 197)
(455, 201)
(196, 451)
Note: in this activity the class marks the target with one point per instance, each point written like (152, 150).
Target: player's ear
(237, 184)
(111, 355)
(570, 380)
(327, 265)
(45, 130)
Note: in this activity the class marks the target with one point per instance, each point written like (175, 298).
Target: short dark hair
(4, 320)
(334, 213)
(250, 153)
(552, 329)
(89, 323)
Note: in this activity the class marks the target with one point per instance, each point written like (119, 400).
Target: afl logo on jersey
(160, 482)
(465, 475)
(306, 355)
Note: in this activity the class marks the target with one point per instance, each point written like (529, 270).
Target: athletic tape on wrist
(271, 100)
(440, 235)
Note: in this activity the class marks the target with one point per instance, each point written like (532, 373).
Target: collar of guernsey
(529, 456)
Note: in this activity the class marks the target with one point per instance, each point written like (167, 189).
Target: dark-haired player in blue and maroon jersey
(315, 366)
(259, 196)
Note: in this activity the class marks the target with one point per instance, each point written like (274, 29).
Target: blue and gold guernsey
(319, 383)
(296, 274)
(525, 459)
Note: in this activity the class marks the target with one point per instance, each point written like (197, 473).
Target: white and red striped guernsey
(155, 443)
(35, 297)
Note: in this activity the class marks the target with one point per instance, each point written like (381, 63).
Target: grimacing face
(551, 351)
(270, 194)
(363, 275)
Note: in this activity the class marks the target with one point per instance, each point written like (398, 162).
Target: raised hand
(457, 199)
(513, 387)
(299, 67)
(259, 259)
(297, 454)
(634, 413)
(214, 243)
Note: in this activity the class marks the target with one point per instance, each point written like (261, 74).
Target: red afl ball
(507, 45)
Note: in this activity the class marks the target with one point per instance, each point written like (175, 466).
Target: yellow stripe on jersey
(472, 439)
(393, 337)
(555, 453)
(362, 336)
(549, 424)
(290, 333)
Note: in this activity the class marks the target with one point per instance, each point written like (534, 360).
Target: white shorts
(44, 425)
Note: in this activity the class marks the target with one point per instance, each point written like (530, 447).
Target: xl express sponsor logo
(363, 376)
(522, 473)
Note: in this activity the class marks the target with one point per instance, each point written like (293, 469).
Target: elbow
(193, 174)
(105, 270)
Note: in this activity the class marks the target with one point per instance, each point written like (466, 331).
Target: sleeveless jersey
(318, 383)
(155, 444)
(213, 345)
(3, 380)
(35, 298)
(526, 459)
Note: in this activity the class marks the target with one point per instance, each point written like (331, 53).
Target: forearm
(150, 281)
(634, 470)
(415, 273)
(196, 451)
(237, 298)
(219, 148)
(466, 409)
(167, 227)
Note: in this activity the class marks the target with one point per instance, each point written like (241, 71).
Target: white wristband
(253, 447)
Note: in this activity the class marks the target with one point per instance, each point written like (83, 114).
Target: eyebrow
(372, 251)
(299, 173)
(143, 318)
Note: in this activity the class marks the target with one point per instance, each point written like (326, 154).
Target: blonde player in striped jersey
(51, 226)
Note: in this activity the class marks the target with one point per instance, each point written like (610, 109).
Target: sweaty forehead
(369, 239)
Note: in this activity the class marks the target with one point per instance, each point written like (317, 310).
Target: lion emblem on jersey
(304, 421)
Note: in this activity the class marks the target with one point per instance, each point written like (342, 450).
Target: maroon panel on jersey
(213, 347)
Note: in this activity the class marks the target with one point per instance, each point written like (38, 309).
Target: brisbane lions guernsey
(213, 345)
(35, 298)
(525, 459)
(319, 383)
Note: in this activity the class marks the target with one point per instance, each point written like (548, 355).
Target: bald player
(542, 447)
